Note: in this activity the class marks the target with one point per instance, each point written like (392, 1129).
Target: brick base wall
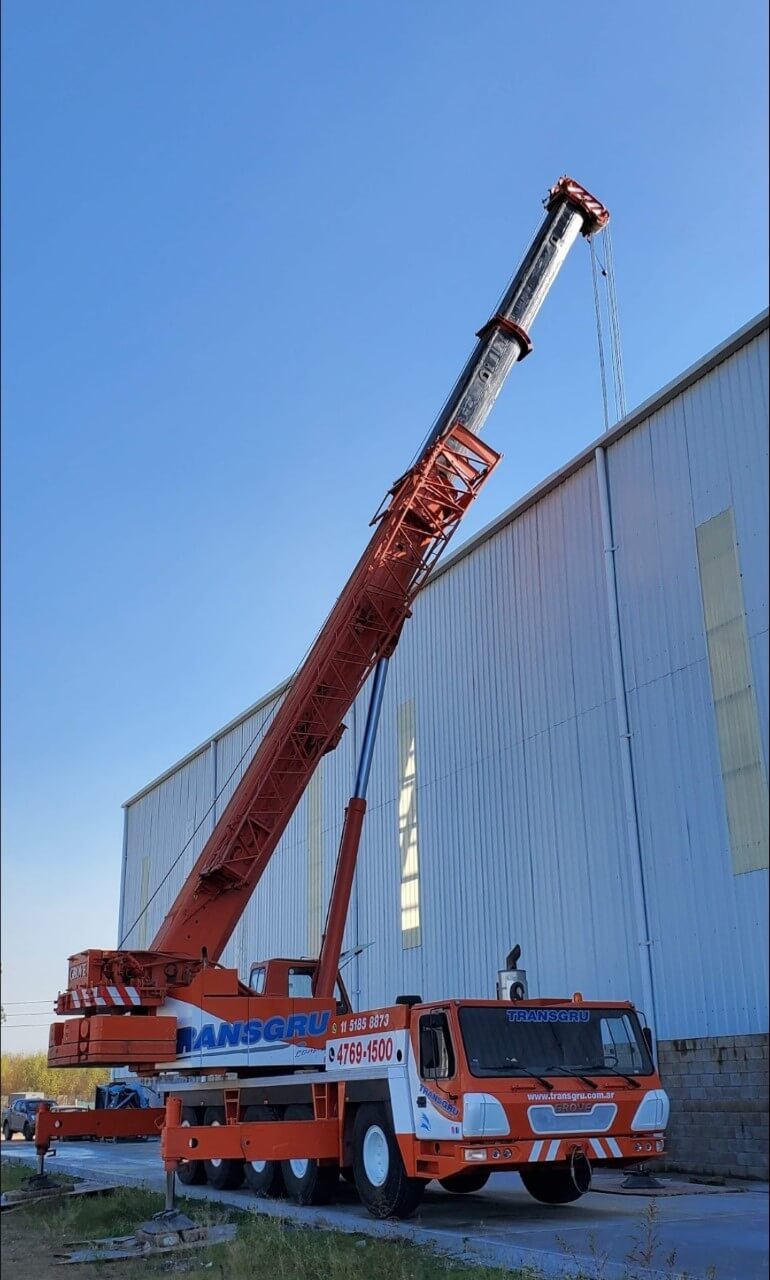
(718, 1088)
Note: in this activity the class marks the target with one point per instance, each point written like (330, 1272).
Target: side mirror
(647, 1033)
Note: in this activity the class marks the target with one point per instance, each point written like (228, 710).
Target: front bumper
(442, 1159)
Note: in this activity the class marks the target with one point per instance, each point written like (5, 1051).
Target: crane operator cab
(292, 978)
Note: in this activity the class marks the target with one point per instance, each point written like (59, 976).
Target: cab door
(434, 1084)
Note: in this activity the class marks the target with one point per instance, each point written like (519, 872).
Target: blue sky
(246, 247)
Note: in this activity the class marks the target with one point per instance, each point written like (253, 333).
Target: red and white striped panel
(103, 997)
(560, 1148)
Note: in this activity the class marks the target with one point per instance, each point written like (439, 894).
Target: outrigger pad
(640, 1180)
(164, 1233)
(170, 1227)
(41, 1187)
(42, 1182)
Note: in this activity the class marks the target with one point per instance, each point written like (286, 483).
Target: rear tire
(263, 1177)
(380, 1177)
(463, 1184)
(550, 1186)
(223, 1175)
(190, 1172)
(307, 1181)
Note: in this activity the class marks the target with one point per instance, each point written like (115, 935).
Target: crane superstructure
(174, 1009)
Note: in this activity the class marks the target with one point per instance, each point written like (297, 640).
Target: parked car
(20, 1117)
(122, 1095)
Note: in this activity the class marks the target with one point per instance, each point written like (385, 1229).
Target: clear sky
(246, 247)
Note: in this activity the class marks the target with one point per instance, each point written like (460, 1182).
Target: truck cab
(550, 1086)
(292, 978)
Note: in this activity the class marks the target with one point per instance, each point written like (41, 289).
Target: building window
(407, 827)
(314, 862)
(735, 704)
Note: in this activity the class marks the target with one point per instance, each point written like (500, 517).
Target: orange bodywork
(106, 1040)
(259, 1046)
(121, 1038)
(112, 1122)
(368, 1046)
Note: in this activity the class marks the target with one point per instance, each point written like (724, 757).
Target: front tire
(223, 1175)
(551, 1186)
(263, 1177)
(190, 1172)
(463, 1184)
(307, 1181)
(380, 1177)
(28, 1133)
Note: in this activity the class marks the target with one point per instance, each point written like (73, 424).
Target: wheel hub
(215, 1163)
(376, 1155)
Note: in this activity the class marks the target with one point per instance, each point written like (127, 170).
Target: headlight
(484, 1116)
(652, 1112)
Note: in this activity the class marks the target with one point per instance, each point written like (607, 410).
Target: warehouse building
(572, 756)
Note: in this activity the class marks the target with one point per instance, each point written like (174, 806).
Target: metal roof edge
(696, 371)
(669, 392)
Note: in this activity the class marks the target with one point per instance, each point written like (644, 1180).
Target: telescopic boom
(411, 529)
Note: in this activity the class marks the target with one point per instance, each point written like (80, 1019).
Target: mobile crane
(279, 1081)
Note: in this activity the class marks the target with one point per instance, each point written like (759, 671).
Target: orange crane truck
(279, 1081)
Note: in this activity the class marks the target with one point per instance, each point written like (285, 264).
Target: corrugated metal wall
(521, 825)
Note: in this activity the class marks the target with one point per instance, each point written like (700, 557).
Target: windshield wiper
(602, 1070)
(516, 1066)
(569, 1070)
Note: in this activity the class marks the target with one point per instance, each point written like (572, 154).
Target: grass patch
(281, 1249)
(295, 1253)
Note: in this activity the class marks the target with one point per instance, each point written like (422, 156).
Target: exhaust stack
(512, 981)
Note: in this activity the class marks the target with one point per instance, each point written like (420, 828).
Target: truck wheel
(264, 1177)
(307, 1181)
(380, 1177)
(550, 1186)
(462, 1184)
(28, 1132)
(190, 1172)
(223, 1175)
(6, 1131)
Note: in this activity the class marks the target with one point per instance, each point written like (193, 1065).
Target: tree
(30, 1073)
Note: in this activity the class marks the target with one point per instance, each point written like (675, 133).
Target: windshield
(301, 988)
(513, 1041)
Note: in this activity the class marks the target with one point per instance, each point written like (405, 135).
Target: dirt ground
(30, 1236)
(25, 1254)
